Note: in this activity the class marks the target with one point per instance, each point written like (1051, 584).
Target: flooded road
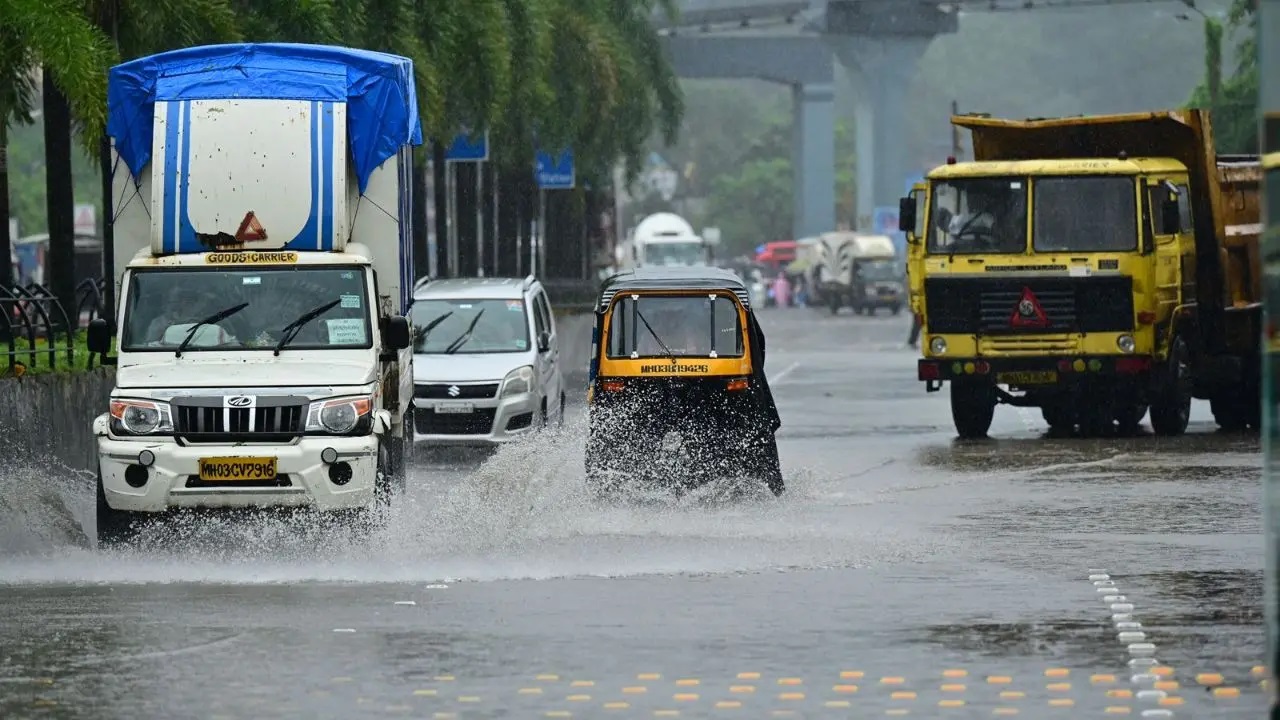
(903, 573)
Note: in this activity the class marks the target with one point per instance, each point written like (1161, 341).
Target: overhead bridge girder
(789, 60)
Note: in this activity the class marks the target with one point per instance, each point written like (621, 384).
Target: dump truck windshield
(690, 253)
(688, 326)
(979, 216)
(1085, 214)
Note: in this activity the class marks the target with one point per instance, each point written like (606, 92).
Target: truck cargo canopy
(378, 89)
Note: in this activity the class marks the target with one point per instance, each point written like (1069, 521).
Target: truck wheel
(834, 304)
(1129, 418)
(1237, 409)
(1171, 399)
(973, 406)
(115, 527)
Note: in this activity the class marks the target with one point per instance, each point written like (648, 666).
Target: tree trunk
(108, 231)
(60, 200)
(6, 243)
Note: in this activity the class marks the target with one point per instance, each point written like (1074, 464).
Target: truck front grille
(209, 419)
(986, 306)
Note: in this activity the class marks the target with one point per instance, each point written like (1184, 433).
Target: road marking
(748, 676)
(649, 676)
(742, 689)
(955, 673)
(728, 704)
(582, 683)
(778, 378)
(791, 696)
(634, 690)
(999, 680)
(790, 681)
(1209, 679)
(688, 681)
(851, 674)
(616, 705)
(1229, 692)
(844, 688)
(530, 691)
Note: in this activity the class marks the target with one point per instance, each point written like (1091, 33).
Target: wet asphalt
(904, 573)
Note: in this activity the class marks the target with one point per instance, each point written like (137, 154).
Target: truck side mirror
(907, 214)
(395, 333)
(1170, 218)
(99, 340)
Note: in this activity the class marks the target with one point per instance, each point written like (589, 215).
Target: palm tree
(54, 44)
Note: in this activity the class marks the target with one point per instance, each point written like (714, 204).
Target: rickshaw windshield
(680, 326)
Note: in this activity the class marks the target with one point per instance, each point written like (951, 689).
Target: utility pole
(956, 150)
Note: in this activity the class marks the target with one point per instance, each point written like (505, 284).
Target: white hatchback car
(486, 363)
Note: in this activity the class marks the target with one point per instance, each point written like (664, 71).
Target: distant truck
(858, 271)
(263, 239)
(666, 239)
(1098, 267)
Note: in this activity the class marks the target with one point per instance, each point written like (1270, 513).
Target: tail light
(738, 384)
(982, 367)
(1133, 365)
(612, 385)
(930, 371)
(1064, 366)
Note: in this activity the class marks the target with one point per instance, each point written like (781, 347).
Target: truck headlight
(938, 346)
(518, 381)
(1126, 343)
(340, 416)
(141, 417)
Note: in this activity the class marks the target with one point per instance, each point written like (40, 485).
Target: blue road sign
(554, 173)
(468, 149)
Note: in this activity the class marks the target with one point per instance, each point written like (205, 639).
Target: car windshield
(689, 326)
(978, 216)
(470, 326)
(689, 253)
(1085, 214)
(164, 305)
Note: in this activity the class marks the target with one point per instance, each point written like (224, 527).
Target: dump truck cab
(1094, 287)
(678, 394)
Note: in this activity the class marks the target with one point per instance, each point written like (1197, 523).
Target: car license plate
(1041, 377)
(455, 408)
(241, 469)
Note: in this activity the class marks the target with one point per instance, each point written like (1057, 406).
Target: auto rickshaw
(678, 395)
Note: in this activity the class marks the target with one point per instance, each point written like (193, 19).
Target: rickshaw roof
(674, 278)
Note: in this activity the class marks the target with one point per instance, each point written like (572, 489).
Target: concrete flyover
(879, 43)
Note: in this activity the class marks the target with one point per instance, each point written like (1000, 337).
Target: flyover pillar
(880, 72)
(813, 159)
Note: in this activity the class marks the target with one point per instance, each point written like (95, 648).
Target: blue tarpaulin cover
(382, 106)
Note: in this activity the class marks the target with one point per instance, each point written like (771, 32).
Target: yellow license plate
(1028, 378)
(241, 469)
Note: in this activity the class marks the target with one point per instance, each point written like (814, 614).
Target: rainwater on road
(904, 572)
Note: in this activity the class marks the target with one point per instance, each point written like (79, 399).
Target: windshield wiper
(292, 329)
(421, 333)
(461, 340)
(661, 344)
(220, 315)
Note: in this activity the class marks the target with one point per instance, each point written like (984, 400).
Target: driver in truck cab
(991, 223)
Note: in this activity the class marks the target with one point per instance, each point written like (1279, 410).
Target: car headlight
(141, 417)
(938, 346)
(1126, 343)
(340, 416)
(518, 381)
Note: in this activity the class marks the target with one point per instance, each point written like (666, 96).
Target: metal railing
(38, 334)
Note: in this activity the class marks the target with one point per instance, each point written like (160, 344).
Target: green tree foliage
(1235, 112)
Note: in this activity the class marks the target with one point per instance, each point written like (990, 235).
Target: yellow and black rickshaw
(678, 395)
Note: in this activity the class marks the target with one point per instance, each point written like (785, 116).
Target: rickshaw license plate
(459, 408)
(1041, 377)
(238, 468)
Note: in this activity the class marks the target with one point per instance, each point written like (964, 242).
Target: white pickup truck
(264, 252)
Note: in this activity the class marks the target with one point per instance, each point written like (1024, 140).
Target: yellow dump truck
(1094, 267)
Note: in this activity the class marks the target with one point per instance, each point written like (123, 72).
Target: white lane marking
(1141, 653)
(777, 378)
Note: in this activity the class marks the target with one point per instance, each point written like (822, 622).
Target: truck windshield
(978, 216)
(879, 270)
(163, 305)
(689, 326)
(470, 326)
(675, 254)
(1085, 214)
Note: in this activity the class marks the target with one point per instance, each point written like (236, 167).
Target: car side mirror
(544, 341)
(907, 215)
(99, 339)
(1170, 218)
(395, 333)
